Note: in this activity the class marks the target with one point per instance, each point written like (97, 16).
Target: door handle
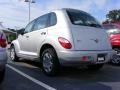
(43, 33)
(27, 36)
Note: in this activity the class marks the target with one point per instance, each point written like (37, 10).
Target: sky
(14, 13)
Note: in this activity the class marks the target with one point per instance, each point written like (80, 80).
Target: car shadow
(109, 73)
(71, 76)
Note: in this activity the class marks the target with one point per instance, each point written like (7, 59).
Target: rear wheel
(50, 62)
(13, 55)
(2, 75)
(95, 67)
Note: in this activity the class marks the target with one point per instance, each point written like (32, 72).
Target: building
(10, 35)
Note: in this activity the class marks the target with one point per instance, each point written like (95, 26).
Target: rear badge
(96, 40)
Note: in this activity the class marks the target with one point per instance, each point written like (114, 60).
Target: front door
(24, 39)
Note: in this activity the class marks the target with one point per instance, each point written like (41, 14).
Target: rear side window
(41, 22)
(53, 19)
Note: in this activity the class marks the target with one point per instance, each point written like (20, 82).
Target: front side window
(82, 18)
(41, 22)
(29, 27)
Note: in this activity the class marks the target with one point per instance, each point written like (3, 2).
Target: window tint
(53, 19)
(82, 18)
(29, 27)
(41, 22)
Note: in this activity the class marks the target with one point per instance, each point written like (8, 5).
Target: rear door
(38, 34)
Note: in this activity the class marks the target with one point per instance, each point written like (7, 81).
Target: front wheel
(50, 62)
(13, 55)
(95, 67)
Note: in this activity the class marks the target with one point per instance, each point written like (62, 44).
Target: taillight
(64, 43)
(3, 42)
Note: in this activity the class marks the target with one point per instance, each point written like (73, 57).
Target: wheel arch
(16, 45)
(45, 46)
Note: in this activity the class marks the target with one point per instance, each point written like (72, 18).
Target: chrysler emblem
(96, 40)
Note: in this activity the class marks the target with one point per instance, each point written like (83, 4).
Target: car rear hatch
(90, 38)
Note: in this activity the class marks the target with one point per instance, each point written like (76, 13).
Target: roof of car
(71, 9)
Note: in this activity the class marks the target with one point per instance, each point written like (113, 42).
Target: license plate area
(101, 57)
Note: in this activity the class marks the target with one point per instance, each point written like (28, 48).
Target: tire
(95, 67)
(13, 55)
(116, 60)
(2, 75)
(50, 62)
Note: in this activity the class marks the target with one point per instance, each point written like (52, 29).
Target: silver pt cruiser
(61, 38)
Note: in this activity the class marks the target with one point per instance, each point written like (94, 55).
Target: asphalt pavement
(27, 75)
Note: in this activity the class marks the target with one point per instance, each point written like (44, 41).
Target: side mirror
(21, 31)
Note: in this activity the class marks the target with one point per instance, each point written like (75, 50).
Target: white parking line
(31, 78)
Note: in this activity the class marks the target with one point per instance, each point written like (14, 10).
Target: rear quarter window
(53, 19)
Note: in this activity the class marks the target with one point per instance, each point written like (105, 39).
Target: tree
(113, 16)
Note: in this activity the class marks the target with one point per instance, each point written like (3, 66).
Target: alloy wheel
(47, 62)
(12, 53)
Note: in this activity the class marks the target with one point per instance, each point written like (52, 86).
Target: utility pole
(29, 4)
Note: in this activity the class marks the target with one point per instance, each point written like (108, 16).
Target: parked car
(113, 31)
(65, 37)
(3, 55)
(112, 28)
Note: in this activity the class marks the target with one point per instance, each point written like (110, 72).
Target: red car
(113, 31)
(115, 41)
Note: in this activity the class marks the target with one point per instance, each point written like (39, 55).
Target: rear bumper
(3, 59)
(83, 57)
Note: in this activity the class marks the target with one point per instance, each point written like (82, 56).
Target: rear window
(82, 18)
